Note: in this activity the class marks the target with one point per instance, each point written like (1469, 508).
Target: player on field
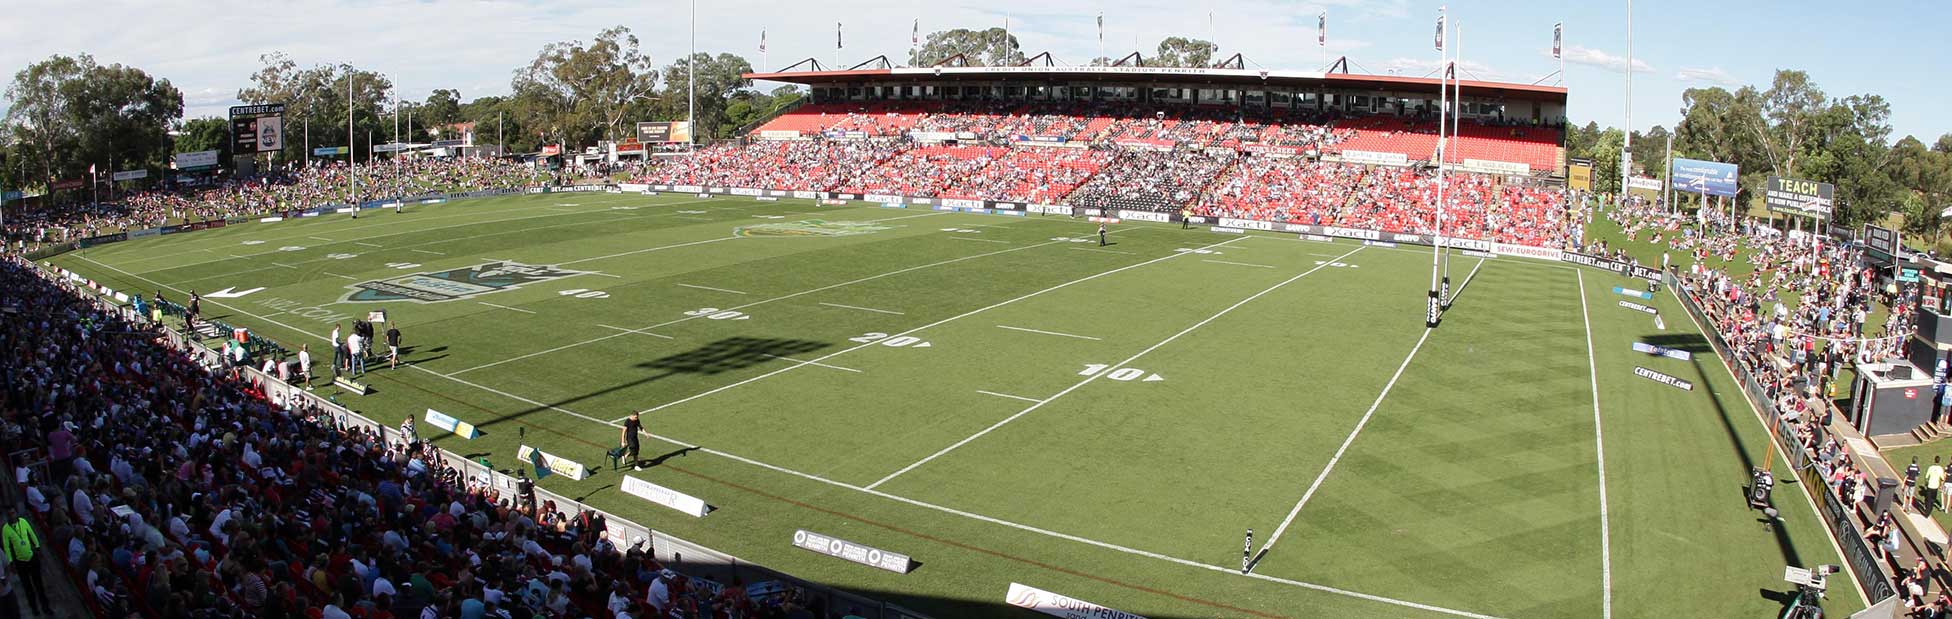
(632, 426)
(1101, 234)
(392, 345)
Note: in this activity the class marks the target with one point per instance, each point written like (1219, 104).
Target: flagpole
(352, 180)
(1443, 109)
(1456, 120)
(1101, 35)
(691, 84)
(1626, 151)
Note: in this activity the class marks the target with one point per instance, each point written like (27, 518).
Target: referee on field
(1101, 234)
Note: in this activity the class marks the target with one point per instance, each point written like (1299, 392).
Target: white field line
(639, 332)
(884, 495)
(712, 289)
(926, 326)
(1467, 281)
(322, 239)
(965, 238)
(1101, 373)
(602, 274)
(1807, 498)
(341, 276)
(1346, 442)
(1082, 337)
(864, 309)
(1005, 395)
(423, 251)
(366, 244)
(283, 265)
(831, 367)
(648, 249)
(1245, 264)
(754, 303)
(1105, 251)
(1599, 449)
(512, 309)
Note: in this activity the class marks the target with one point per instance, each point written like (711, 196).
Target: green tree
(991, 47)
(316, 104)
(442, 108)
(1185, 52)
(208, 133)
(591, 88)
(66, 113)
(720, 81)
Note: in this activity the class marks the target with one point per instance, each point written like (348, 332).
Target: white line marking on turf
(1807, 497)
(341, 276)
(1107, 251)
(638, 331)
(512, 309)
(322, 239)
(366, 244)
(1241, 264)
(1599, 448)
(283, 265)
(602, 274)
(1005, 395)
(711, 289)
(754, 303)
(877, 493)
(932, 324)
(423, 251)
(648, 249)
(832, 367)
(864, 309)
(1346, 442)
(1109, 370)
(964, 238)
(1082, 337)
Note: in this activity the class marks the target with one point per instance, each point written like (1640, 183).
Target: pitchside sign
(257, 128)
(1663, 378)
(1881, 241)
(1800, 197)
(1711, 178)
(1060, 605)
(843, 549)
(664, 132)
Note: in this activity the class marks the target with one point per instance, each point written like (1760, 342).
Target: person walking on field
(1101, 234)
(632, 427)
(392, 345)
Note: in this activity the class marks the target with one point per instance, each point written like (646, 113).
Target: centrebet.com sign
(1663, 378)
(843, 549)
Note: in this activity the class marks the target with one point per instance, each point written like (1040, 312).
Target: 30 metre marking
(1095, 375)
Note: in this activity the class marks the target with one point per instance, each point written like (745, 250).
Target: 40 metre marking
(584, 293)
(1120, 374)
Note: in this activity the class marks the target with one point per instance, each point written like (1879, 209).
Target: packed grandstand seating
(173, 489)
(1150, 180)
(1284, 189)
(1034, 175)
(923, 171)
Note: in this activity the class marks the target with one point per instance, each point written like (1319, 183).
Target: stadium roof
(1172, 75)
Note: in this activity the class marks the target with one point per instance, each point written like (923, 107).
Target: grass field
(1005, 400)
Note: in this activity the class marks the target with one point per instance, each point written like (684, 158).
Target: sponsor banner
(257, 128)
(1249, 224)
(1579, 175)
(1152, 216)
(1317, 238)
(1663, 378)
(1416, 239)
(843, 549)
(779, 134)
(960, 203)
(1375, 158)
(835, 202)
(1662, 351)
(1615, 266)
(1475, 253)
(663, 132)
(1800, 197)
(136, 234)
(1006, 206)
(1644, 183)
(1481, 246)
(1704, 177)
(932, 136)
(1487, 166)
(552, 464)
(634, 187)
(194, 160)
(806, 195)
(1272, 150)
(922, 201)
(1227, 230)
(129, 175)
(687, 189)
(1639, 308)
(684, 503)
(1103, 220)
(777, 193)
(1881, 240)
(1526, 251)
(1059, 605)
(1633, 293)
(702, 195)
(883, 204)
(447, 422)
(1379, 243)
(1048, 209)
(881, 197)
(743, 191)
(766, 199)
(1196, 219)
(946, 208)
(1010, 213)
(103, 239)
(1352, 233)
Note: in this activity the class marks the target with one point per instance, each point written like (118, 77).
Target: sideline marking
(284, 265)
(1082, 337)
(512, 309)
(831, 367)
(877, 493)
(342, 276)
(711, 289)
(965, 238)
(1599, 448)
(1122, 364)
(1244, 264)
(864, 309)
(366, 244)
(650, 249)
(926, 326)
(1108, 251)
(639, 332)
(423, 251)
(1346, 442)
(1005, 395)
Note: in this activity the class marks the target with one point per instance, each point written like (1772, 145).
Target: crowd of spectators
(1150, 180)
(165, 486)
(810, 165)
(1032, 175)
(1284, 189)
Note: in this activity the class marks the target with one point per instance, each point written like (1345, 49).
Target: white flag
(1440, 28)
(915, 33)
(1101, 27)
(762, 41)
(1558, 32)
(837, 35)
(1321, 29)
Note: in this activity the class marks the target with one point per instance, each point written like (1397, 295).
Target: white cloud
(1579, 54)
(1713, 75)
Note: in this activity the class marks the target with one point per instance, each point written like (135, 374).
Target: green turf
(1471, 485)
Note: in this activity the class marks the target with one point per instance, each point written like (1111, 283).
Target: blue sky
(209, 48)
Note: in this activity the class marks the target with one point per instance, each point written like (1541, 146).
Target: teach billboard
(1800, 197)
(1709, 178)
